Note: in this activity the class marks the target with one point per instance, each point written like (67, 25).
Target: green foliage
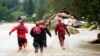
(40, 13)
(0, 23)
(74, 31)
(51, 26)
(9, 3)
(30, 19)
(28, 7)
(87, 8)
(46, 16)
(17, 13)
(5, 14)
(86, 25)
(55, 5)
(39, 10)
(9, 9)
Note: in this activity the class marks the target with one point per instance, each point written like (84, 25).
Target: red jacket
(21, 31)
(61, 31)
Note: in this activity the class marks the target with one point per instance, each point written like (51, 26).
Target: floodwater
(76, 44)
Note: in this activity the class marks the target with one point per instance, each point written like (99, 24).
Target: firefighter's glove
(55, 33)
(9, 33)
(68, 33)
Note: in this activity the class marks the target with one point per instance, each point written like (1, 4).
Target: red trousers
(61, 39)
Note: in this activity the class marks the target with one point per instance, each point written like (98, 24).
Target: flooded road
(76, 44)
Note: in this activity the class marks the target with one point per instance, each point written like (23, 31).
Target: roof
(62, 13)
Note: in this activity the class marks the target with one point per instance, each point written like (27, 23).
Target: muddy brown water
(76, 44)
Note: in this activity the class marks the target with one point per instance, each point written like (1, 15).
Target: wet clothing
(21, 31)
(21, 34)
(61, 29)
(38, 39)
(46, 30)
(21, 41)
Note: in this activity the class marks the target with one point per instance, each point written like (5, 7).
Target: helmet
(41, 21)
(59, 19)
(37, 23)
(21, 21)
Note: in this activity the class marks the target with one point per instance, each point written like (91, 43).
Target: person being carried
(37, 33)
(21, 34)
(60, 30)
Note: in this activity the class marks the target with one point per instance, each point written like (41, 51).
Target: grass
(0, 23)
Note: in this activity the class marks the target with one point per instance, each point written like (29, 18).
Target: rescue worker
(46, 31)
(21, 34)
(60, 30)
(37, 33)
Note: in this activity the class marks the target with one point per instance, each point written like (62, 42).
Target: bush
(73, 31)
(0, 23)
(51, 26)
(28, 19)
(85, 25)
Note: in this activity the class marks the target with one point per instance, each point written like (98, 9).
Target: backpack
(61, 27)
(37, 30)
(20, 29)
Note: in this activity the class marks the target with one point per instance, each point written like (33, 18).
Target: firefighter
(46, 31)
(21, 34)
(37, 33)
(60, 30)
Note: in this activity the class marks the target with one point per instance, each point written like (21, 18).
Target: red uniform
(21, 31)
(61, 29)
(21, 34)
